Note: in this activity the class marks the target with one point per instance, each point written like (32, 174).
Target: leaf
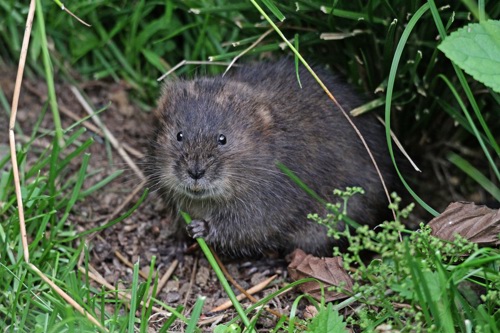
(327, 320)
(329, 271)
(195, 314)
(478, 224)
(406, 287)
(476, 49)
(227, 329)
(272, 7)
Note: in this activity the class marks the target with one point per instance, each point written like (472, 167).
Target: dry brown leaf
(310, 312)
(478, 224)
(327, 270)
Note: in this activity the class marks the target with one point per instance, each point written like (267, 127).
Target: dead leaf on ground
(478, 224)
(329, 271)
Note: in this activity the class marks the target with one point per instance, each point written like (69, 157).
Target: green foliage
(476, 49)
(227, 329)
(327, 320)
(24, 294)
(50, 191)
(220, 275)
(418, 282)
(137, 42)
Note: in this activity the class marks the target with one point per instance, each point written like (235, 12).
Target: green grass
(421, 283)
(138, 42)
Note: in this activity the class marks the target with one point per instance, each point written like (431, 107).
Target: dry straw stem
(66, 297)
(191, 282)
(254, 44)
(211, 320)
(108, 133)
(127, 201)
(400, 147)
(230, 278)
(94, 275)
(253, 290)
(76, 17)
(63, 7)
(114, 214)
(97, 130)
(127, 263)
(15, 167)
(189, 62)
(164, 279)
(12, 123)
(70, 114)
(244, 293)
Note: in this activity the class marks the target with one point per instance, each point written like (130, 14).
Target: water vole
(217, 141)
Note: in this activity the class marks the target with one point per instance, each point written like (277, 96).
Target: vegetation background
(131, 44)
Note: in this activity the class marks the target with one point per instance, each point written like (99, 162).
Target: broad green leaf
(476, 49)
(327, 320)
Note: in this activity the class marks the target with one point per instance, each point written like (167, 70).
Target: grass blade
(475, 174)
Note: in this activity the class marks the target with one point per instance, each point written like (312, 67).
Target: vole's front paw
(197, 229)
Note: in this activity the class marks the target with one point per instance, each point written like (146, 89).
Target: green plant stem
(134, 300)
(48, 72)
(476, 175)
(388, 100)
(208, 254)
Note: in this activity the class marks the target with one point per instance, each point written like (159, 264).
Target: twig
(166, 277)
(127, 200)
(214, 319)
(244, 293)
(230, 278)
(124, 260)
(253, 290)
(118, 209)
(191, 281)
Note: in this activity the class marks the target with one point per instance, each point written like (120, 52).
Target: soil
(146, 232)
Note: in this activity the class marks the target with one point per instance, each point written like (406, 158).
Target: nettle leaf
(476, 49)
(327, 320)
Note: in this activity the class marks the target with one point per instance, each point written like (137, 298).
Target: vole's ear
(265, 115)
(163, 101)
(172, 92)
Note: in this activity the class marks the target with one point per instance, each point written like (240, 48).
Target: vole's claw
(197, 229)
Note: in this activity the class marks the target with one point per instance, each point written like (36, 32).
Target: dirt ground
(147, 232)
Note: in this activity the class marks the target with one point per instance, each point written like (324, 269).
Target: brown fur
(248, 206)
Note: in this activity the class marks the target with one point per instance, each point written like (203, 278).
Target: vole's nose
(196, 172)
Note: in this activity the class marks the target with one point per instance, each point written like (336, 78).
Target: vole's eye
(180, 136)
(222, 139)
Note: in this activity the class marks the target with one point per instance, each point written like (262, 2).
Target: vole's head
(212, 140)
